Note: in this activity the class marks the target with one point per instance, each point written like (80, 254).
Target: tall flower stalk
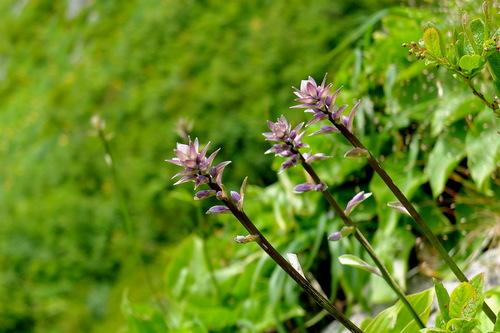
(315, 99)
(198, 168)
(289, 142)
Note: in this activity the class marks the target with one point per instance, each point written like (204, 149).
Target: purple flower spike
(356, 200)
(197, 167)
(218, 210)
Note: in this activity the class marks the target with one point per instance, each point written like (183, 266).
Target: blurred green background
(80, 252)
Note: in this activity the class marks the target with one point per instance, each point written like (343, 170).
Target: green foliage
(143, 65)
(398, 319)
(459, 311)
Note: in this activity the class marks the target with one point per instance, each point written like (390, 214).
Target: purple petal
(315, 157)
(200, 180)
(350, 120)
(236, 196)
(333, 98)
(301, 188)
(185, 179)
(335, 236)
(175, 161)
(317, 117)
(218, 210)
(324, 130)
(336, 114)
(356, 200)
(204, 194)
(210, 159)
(188, 171)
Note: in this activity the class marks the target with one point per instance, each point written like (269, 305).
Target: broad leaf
(397, 318)
(462, 325)
(434, 43)
(469, 63)
(463, 301)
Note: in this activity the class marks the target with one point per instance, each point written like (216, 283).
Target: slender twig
(492, 105)
(284, 264)
(411, 210)
(364, 242)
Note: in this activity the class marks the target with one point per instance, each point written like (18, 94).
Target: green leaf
(443, 300)
(462, 325)
(497, 324)
(352, 260)
(494, 61)
(397, 318)
(477, 28)
(444, 157)
(482, 145)
(463, 301)
(433, 330)
(469, 63)
(477, 282)
(460, 45)
(434, 43)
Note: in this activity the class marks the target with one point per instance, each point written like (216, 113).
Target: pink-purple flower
(197, 167)
(317, 100)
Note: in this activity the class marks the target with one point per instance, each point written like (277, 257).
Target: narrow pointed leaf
(351, 260)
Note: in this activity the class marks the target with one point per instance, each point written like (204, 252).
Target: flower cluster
(316, 99)
(197, 167)
(290, 141)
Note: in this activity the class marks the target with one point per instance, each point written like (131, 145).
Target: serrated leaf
(434, 43)
(443, 300)
(462, 301)
(462, 325)
(477, 282)
(352, 260)
(471, 62)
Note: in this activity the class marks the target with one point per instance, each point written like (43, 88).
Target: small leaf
(471, 62)
(356, 153)
(477, 28)
(463, 301)
(477, 282)
(434, 43)
(396, 205)
(462, 325)
(443, 300)
(351, 260)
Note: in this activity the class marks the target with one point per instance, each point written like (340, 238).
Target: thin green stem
(365, 243)
(128, 221)
(284, 264)
(411, 210)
